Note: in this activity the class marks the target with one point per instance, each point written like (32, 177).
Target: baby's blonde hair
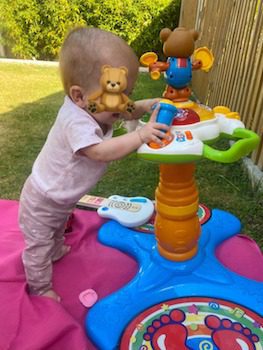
(86, 50)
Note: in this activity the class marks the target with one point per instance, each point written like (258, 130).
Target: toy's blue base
(159, 280)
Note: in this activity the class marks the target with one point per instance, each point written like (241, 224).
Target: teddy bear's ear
(105, 68)
(124, 69)
(194, 33)
(164, 34)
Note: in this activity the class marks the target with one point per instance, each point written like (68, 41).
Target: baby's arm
(119, 147)
(142, 107)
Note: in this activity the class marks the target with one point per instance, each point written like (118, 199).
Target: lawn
(29, 100)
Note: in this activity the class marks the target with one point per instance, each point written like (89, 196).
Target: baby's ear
(124, 70)
(105, 68)
(76, 95)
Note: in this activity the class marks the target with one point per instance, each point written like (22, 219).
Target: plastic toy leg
(177, 226)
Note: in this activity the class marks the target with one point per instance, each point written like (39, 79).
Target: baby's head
(84, 52)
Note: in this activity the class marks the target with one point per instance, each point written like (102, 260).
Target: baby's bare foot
(63, 251)
(51, 294)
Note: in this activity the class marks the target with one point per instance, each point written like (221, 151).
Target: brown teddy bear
(110, 96)
(178, 43)
(178, 46)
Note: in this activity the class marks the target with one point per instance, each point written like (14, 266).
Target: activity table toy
(182, 297)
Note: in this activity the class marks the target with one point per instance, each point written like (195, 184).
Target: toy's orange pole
(177, 225)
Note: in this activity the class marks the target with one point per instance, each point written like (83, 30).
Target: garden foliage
(36, 28)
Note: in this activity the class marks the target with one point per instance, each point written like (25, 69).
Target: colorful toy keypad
(183, 143)
(128, 211)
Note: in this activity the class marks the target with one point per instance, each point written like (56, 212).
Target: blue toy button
(138, 200)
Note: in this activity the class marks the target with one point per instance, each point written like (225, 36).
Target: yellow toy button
(155, 74)
(147, 58)
(233, 115)
(205, 56)
(221, 110)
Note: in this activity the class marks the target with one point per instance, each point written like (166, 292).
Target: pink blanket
(40, 323)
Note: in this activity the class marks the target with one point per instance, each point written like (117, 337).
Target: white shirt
(59, 172)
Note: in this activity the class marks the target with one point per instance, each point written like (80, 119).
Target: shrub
(36, 28)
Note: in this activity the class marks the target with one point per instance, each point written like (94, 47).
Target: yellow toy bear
(110, 97)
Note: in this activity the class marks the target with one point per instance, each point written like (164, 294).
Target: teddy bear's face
(113, 79)
(179, 42)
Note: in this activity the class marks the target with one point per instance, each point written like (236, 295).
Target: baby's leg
(51, 294)
(63, 250)
(40, 219)
(37, 256)
(60, 249)
(38, 224)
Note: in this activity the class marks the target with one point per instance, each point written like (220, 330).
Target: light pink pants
(42, 222)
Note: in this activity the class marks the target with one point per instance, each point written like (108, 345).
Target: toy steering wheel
(246, 142)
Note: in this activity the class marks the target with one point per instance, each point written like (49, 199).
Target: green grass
(29, 100)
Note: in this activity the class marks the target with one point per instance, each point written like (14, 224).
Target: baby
(77, 150)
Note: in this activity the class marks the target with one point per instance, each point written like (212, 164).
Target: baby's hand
(142, 107)
(148, 104)
(154, 131)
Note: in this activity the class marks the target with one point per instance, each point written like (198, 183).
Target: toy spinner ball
(182, 297)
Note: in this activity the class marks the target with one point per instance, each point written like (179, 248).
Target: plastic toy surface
(182, 297)
(142, 313)
(110, 97)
